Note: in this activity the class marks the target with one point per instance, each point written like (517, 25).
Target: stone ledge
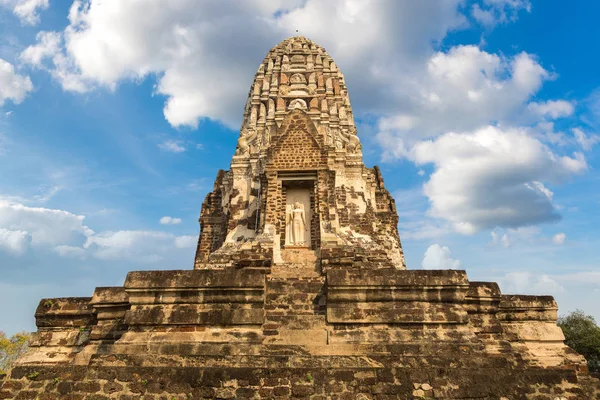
(226, 278)
(65, 312)
(394, 277)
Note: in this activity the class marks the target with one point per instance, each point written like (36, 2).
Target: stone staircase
(295, 301)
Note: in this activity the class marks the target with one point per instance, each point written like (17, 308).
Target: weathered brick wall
(213, 222)
(298, 145)
(184, 383)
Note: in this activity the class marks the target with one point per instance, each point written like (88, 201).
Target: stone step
(298, 255)
(284, 286)
(296, 336)
(294, 322)
(314, 306)
(295, 270)
(282, 310)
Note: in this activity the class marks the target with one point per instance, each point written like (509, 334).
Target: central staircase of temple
(295, 298)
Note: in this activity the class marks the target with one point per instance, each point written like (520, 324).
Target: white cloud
(493, 12)
(484, 17)
(204, 73)
(70, 251)
(559, 238)
(64, 233)
(27, 10)
(586, 142)
(589, 277)
(48, 44)
(170, 220)
(492, 178)
(15, 242)
(13, 86)
(422, 228)
(552, 108)
(134, 246)
(503, 239)
(411, 205)
(529, 283)
(438, 257)
(184, 242)
(509, 237)
(461, 90)
(47, 227)
(421, 93)
(172, 146)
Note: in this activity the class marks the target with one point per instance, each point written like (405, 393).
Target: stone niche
(298, 194)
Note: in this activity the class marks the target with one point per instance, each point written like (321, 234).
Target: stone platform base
(296, 331)
(124, 378)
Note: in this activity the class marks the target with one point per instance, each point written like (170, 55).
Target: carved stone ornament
(247, 138)
(298, 78)
(284, 90)
(297, 103)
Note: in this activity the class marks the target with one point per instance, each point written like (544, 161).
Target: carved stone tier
(397, 306)
(110, 305)
(194, 306)
(370, 332)
(529, 323)
(298, 133)
(64, 326)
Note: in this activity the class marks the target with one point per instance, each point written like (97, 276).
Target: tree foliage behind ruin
(12, 348)
(582, 335)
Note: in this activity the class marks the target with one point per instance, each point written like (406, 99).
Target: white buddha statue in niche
(296, 222)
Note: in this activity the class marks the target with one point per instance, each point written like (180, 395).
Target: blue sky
(483, 116)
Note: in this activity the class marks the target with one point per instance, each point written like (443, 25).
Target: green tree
(582, 335)
(12, 348)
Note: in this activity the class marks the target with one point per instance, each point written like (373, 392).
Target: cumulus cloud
(493, 12)
(586, 142)
(529, 283)
(206, 74)
(47, 227)
(13, 86)
(559, 238)
(47, 45)
(508, 237)
(439, 257)
(15, 242)
(502, 239)
(65, 234)
(461, 90)
(172, 146)
(27, 10)
(166, 220)
(135, 246)
(185, 242)
(552, 108)
(391, 67)
(493, 178)
(70, 251)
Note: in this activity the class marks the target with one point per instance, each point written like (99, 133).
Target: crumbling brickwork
(298, 120)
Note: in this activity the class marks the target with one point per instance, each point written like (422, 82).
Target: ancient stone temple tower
(299, 287)
(297, 179)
